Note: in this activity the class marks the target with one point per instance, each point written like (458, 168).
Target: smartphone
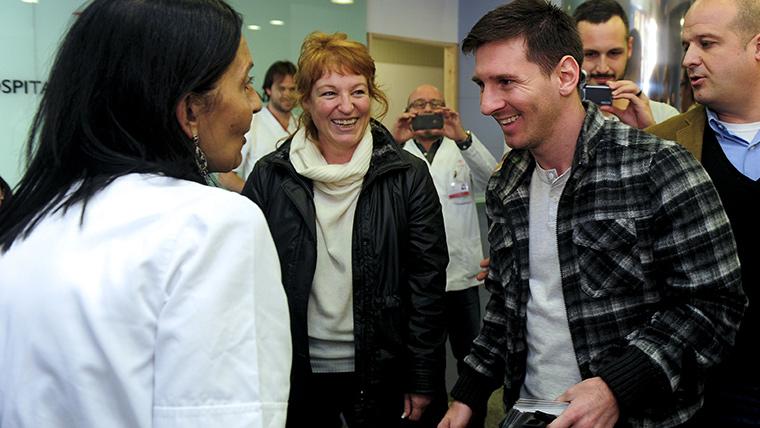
(598, 94)
(427, 121)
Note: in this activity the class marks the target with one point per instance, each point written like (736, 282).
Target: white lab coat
(263, 138)
(458, 176)
(150, 313)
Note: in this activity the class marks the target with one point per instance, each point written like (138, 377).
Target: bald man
(460, 166)
(721, 40)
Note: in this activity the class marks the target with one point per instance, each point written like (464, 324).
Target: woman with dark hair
(5, 192)
(119, 303)
(358, 227)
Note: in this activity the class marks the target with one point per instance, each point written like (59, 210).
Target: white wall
(29, 35)
(442, 21)
(417, 19)
(405, 78)
(485, 127)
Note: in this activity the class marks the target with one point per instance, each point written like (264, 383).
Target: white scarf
(336, 193)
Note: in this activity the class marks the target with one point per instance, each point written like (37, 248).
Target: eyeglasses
(420, 104)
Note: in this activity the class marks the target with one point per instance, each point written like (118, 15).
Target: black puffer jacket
(399, 268)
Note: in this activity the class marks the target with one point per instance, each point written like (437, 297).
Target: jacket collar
(386, 154)
(691, 132)
(587, 140)
(520, 163)
(686, 128)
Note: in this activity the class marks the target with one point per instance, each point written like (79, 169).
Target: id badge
(459, 192)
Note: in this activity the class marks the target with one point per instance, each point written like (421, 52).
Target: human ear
(630, 46)
(569, 73)
(306, 104)
(187, 116)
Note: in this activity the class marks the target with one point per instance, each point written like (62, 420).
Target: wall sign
(21, 86)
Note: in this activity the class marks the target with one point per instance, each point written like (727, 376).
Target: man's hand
(592, 405)
(452, 125)
(458, 416)
(402, 130)
(637, 114)
(484, 265)
(414, 405)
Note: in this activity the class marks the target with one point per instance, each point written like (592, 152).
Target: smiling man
(614, 278)
(721, 40)
(607, 48)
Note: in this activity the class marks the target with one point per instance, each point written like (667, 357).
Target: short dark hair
(277, 71)
(109, 108)
(600, 11)
(549, 33)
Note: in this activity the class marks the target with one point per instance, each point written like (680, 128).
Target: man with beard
(607, 47)
(269, 126)
(614, 279)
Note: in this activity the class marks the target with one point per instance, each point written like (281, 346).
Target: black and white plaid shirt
(649, 269)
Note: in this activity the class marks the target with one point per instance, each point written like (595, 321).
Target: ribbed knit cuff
(472, 388)
(634, 378)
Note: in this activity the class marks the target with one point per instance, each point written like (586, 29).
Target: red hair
(322, 54)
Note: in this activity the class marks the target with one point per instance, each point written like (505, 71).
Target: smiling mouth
(508, 120)
(345, 123)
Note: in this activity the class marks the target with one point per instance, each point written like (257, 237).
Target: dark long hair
(109, 108)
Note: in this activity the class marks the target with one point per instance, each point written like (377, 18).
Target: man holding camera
(460, 166)
(607, 47)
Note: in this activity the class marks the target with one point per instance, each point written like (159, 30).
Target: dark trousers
(463, 320)
(335, 397)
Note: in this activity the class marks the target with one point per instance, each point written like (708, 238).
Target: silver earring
(200, 158)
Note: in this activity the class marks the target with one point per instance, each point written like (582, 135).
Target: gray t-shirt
(551, 364)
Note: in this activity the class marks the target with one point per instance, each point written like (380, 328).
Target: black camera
(597, 94)
(427, 121)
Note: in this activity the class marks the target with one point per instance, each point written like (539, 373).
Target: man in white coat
(460, 166)
(270, 126)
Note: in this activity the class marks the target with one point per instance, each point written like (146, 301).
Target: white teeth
(344, 122)
(508, 120)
